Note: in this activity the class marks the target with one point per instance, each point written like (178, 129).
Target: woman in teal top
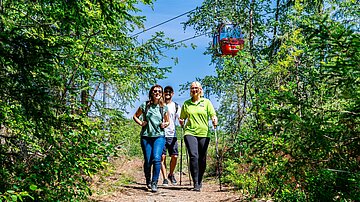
(197, 111)
(155, 119)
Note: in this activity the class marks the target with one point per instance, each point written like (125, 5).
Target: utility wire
(187, 39)
(145, 30)
(193, 37)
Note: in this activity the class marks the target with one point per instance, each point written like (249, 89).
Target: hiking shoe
(197, 187)
(148, 184)
(172, 179)
(154, 186)
(165, 182)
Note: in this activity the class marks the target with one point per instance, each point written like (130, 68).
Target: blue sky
(192, 63)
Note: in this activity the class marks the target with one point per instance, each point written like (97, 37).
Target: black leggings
(197, 149)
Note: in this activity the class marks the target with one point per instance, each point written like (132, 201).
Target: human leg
(171, 175)
(173, 151)
(192, 148)
(163, 162)
(173, 162)
(163, 169)
(147, 150)
(158, 146)
(203, 143)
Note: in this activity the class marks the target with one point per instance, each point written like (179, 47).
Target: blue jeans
(152, 150)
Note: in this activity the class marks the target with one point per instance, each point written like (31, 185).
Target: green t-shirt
(154, 120)
(198, 116)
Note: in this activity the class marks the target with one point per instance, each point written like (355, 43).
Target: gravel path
(112, 189)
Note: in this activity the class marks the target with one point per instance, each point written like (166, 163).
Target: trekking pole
(181, 149)
(217, 157)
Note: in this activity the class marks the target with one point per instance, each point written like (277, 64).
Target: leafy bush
(52, 159)
(333, 185)
(124, 134)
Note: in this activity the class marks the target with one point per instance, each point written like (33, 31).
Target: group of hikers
(157, 117)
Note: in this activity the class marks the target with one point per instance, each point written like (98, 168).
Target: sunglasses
(157, 91)
(168, 91)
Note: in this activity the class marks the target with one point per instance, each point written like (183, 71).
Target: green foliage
(250, 183)
(291, 195)
(328, 185)
(289, 102)
(11, 195)
(124, 134)
(56, 57)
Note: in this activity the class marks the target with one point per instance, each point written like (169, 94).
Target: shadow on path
(141, 186)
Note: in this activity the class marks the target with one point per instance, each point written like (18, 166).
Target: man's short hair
(169, 88)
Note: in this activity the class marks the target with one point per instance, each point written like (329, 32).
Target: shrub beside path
(126, 183)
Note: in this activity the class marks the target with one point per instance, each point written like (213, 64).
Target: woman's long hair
(151, 98)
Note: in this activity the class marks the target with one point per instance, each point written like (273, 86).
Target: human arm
(212, 113)
(182, 116)
(214, 120)
(166, 121)
(181, 122)
(177, 114)
(137, 119)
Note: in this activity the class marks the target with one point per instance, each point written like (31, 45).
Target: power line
(187, 39)
(193, 37)
(145, 30)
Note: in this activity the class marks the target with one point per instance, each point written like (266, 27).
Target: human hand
(181, 121)
(214, 121)
(164, 124)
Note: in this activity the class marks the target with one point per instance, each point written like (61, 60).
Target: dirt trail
(111, 188)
